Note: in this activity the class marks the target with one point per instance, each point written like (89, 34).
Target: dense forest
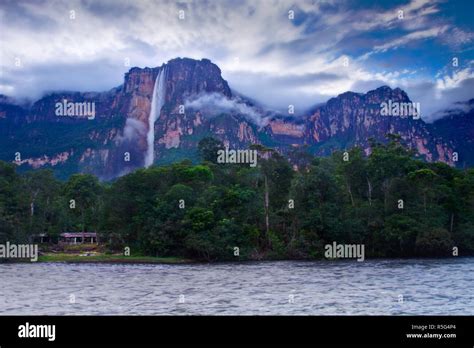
(390, 201)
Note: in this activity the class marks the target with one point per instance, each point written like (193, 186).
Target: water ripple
(374, 287)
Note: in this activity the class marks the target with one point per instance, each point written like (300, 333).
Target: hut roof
(78, 234)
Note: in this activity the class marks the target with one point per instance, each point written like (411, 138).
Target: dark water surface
(373, 287)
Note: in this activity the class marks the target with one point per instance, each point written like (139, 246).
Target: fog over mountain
(159, 115)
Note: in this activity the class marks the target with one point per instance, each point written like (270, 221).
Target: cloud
(435, 102)
(278, 92)
(261, 51)
(133, 130)
(35, 81)
(416, 35)
(213, 104)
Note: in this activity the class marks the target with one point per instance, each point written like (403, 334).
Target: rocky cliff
(352, 119)
(197, 103)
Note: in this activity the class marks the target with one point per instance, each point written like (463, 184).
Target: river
(372, 287)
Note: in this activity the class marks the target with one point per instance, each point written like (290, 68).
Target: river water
(372, 287)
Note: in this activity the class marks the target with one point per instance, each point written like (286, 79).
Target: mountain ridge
(198, 103)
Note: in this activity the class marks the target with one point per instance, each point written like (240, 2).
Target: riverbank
(108, 258)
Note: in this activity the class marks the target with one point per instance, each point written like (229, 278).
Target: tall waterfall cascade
(157, 102)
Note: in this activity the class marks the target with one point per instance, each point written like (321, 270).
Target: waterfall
(157, 102)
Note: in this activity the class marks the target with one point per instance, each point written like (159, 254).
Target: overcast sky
(262, 52)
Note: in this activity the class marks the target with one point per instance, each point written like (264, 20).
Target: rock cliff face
(186, 78)
(352, 119)
(197, 103)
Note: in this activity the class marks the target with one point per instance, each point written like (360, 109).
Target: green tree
(82, 192)
(208, 148)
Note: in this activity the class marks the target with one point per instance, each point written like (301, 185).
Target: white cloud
(416, 35)
(133, 130)
(275, 56)
(213, 104)
(455, 79)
